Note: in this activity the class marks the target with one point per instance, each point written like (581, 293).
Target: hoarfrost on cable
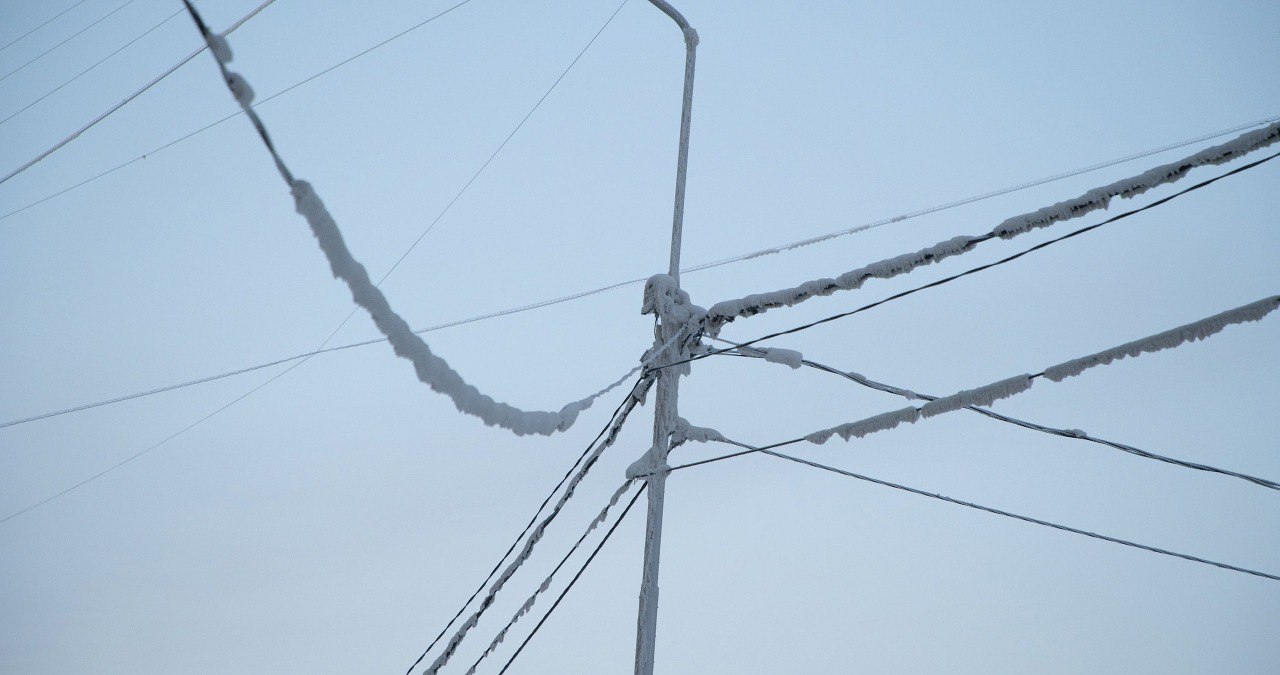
(1169, 339)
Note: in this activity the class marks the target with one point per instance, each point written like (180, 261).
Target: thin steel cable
(506, 140)
(149, 448)
(86, 70)
(626, 485)
(237, 113)
(1064, 433)
(981, 268)
(46, 22)
(51, 49)
(1007, 514)
(622, 516)
(102, 116)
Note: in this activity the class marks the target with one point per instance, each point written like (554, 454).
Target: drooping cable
(125, 101)
(1075, 434)
(76, 35)
(80, 74)
(980, 268)
(46, 22)
(622, 516)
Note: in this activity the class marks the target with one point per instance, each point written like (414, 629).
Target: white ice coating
(787, 357)
(1006, 388)
(725, 311)
(546, 583)
(685, 432)
(871, 425)
(1098, 198)
(663, 297)
(431, 369)
(983, 396)
(1169, 339)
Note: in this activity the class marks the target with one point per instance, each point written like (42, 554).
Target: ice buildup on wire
(431, 369)
(1169, 339)
(1097, 198)
(981, 396)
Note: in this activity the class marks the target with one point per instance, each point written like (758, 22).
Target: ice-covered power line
(988, 509)
(76, 35)
(42, 25)
(430, 369)
(586, 563)
(125, 101)
(99, 62)
(980, 268)
(1009, 387)
(546, 583)
(1093, 200)
(1075, 434)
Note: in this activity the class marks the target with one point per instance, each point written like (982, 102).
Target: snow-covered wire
(86, 70)
(980, 268)
(790, 246)
(1095, 199)
(1008, 514)
(546, 583)
(603, 540)
(46, 22)
(1009, 387)
(536, 534)
(48, 51)
(102, 116)
(1075, 434)
(430, 369)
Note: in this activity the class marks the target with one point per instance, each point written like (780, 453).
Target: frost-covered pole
(665, 414)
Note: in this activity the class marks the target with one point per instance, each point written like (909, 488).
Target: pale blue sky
(333, 521)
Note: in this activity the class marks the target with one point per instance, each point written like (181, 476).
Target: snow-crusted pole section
(431, 369)
(1199, 330)
(636, 397)
(546, 583)
(1098, 198)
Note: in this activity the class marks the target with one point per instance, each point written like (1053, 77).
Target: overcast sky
(334, 520)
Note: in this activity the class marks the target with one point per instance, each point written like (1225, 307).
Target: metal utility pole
(667, 382)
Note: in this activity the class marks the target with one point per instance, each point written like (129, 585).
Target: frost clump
(787, 357)
(982, 396)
